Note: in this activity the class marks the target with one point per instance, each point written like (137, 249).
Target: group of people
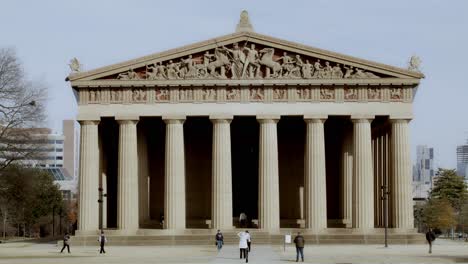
(102, 239)
(245, 241)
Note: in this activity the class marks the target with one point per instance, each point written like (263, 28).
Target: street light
(384, 198)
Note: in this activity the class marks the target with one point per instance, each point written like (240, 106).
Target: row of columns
(357, 175)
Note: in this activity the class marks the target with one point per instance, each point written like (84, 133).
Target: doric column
(347, 178)
(401, 179)
(143, 175)
(88, 217)
(127, 192)
(269, 214)
(363, 182)
(174, 202)
(222, 174)
(315, 175)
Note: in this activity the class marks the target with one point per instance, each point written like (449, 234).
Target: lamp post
(384, 198)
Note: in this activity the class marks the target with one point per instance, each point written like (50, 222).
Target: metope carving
(303, 94)
(161, 95)
(138, 95)
(257, 94)
(396, 94)
(209, 94)
(327, 94)
(233, 94)
(374, 94)
(280, 94)
(350, 94)
(245, 61)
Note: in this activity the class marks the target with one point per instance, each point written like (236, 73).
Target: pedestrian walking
(243, 247)
(430, 237)
(300, 242)
(102, 241)
(66, 243)
(219, 240)
(249, 240)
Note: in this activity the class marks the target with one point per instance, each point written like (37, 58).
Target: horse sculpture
(221, 61)
(267, 60)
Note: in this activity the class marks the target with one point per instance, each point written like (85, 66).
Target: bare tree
(22, 105)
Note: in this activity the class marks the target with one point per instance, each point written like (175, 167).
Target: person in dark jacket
(300, 242)
(66, 243)
(430, 237)
(102, 241)
(219, 240)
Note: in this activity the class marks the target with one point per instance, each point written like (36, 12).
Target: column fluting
(222, 175)
(174, 189)
(88, 217)
(401, 179)
(347, 179)
(269, 214)
(127, 193)
(143, 175)
(363, 177)
(315, 176)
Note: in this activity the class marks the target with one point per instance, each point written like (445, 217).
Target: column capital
(268, 118)
(130, 121)
(315, 116)
(127, 118)
(221, 118)
(362, 118)
(400, 120)
(85, 117)
(89, 122)
(174, 119)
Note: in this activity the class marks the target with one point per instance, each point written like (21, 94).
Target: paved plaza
(444, 252)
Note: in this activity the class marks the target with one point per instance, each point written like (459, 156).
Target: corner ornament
(414, 64)
(75, 65)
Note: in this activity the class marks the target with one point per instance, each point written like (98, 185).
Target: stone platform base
(148, 237)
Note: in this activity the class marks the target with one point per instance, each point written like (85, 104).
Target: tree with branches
(22, 105)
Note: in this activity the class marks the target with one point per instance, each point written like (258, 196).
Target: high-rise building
(462, 160)
(423, 171)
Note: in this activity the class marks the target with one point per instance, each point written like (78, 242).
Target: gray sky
(47, 34)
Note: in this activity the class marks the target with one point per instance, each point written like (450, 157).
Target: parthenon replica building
(293, 136)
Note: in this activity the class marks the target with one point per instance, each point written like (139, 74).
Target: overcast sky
(47, 34)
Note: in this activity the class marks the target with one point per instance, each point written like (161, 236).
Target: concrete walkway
(443, 252)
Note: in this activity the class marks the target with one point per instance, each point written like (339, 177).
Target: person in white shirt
(244, 237)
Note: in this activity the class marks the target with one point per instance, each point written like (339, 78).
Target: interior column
(127, 190)
(401, 179)
(347, 179)
(315, 175)
(174, 202)
(363, 181)
(222, 174)
(143, 176)
(269, 214)
(88, 216)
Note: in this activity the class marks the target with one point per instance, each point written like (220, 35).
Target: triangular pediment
(246, 56)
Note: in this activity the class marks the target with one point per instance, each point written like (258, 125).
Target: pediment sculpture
(245, 61)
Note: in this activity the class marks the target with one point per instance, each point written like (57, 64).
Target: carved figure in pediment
(251, 63)
(130, 75)
(273, 68)
(233, 94)
(303, 93)
(318, 70)
(287, 65)
(395, 93)
(307, 70)
(349, 71)
(256, 94)
(350, 94)
(162, 95)
(156, 72)
(327, 93)
(337, 73)
(173, 70)
(327, 71)
(221, 60)
(237, 60)
(188, 69)
(209, 94)
(279, 94)
(360, 73)
(373, 93)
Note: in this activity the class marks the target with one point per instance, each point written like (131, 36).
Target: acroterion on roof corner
(244, 23)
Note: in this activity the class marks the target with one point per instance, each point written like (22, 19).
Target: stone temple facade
(293, 136)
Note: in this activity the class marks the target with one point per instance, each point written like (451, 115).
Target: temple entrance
(244, 151)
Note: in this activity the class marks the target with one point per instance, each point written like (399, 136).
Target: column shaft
(269, 214)
(222, 175)
(401, 181)
(143, 175)
(88, 217)
(347, 179)
(127, 200)
(315, 176)
(363, 183)
(174, 202)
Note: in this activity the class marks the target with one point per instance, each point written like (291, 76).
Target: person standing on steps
(102, 241)
(66, 243)
(244, 248)
(300, 242)
(219, 240)
(430, 237)
(249, 240)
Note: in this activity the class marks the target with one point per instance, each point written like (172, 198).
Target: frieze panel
(256, 94)
(139, 96)
(245, 60)
(396, 94)
(350, 94)
(280, 94)
(161, 95)
(327, 94)
(374, 94)
(233, 94)
(303, 94)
